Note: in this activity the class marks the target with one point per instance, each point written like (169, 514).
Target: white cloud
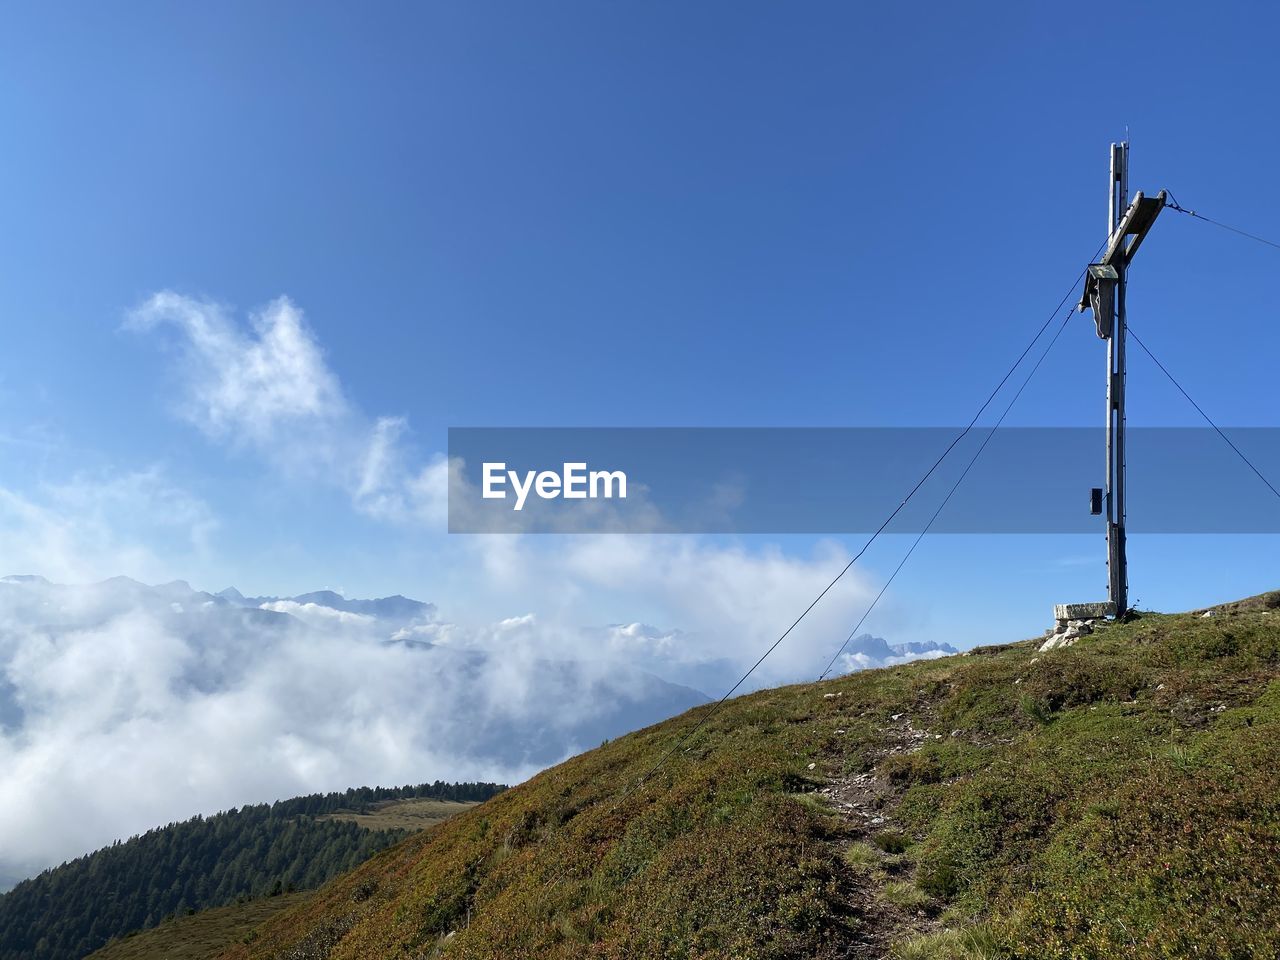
(93, 526)
(266, 385)
(247, 383)
(388, 489)
(315, 615)
(641, 639)
(124, 708)
(849, 662)
(728, 600)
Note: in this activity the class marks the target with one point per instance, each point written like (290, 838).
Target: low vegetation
(411, 815)
(1116, 798)
(200, 936)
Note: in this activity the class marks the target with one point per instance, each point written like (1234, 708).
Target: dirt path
(881, 895)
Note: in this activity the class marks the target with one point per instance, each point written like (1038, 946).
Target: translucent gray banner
(847, 480)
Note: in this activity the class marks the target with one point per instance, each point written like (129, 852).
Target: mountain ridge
(200, 863)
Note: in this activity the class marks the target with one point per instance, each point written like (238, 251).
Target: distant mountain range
(613, 701)
(883, 653)
(394, 609)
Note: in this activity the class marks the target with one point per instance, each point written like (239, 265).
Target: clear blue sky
(625, 214)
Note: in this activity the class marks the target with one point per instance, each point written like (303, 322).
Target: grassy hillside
(412, 815)
(201, 936)
(1117, 798)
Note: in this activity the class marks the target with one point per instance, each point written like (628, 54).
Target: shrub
(905, 769)
(939, 878)
(1077, 677)
(1033, 709)
(892, 841)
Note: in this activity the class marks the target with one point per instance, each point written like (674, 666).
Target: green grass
(974, 943)
(905, 895)
(862, 856)
(414, 814)
(201, 936)
(1113, 799)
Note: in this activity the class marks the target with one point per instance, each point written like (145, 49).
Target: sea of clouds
(125, 706)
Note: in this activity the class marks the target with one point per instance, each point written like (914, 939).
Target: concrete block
(1083, 611)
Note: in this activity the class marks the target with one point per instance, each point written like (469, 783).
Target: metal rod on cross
(1104, 294)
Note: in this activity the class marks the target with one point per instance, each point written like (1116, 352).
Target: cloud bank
(124, 706)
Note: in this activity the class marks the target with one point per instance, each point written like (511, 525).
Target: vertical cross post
(1117, 559)
(1104, 293)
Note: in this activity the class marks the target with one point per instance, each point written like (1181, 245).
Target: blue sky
(610, 214)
